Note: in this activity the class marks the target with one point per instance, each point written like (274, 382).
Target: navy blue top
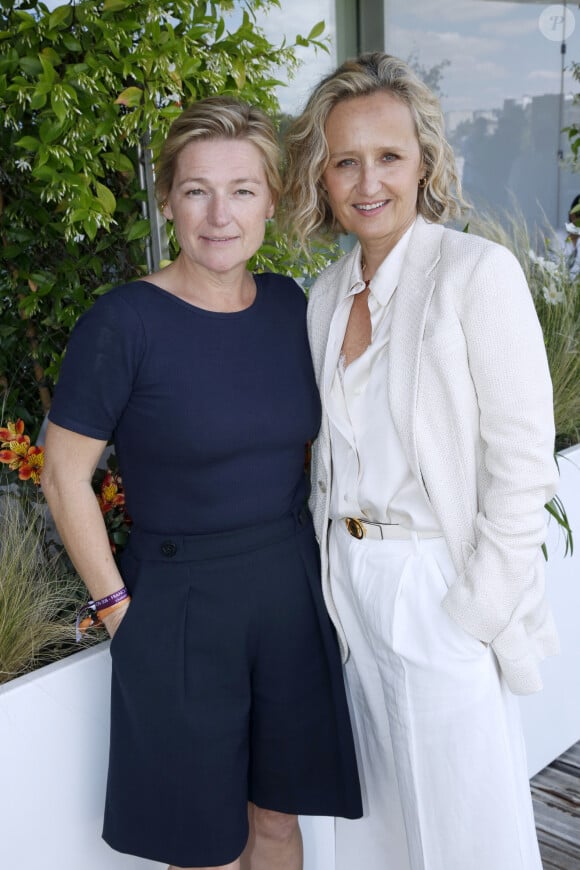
(209, 411)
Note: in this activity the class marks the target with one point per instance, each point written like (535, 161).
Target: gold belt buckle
(355, 528)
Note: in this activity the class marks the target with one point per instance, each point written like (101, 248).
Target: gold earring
(423, 182)
(163, 205)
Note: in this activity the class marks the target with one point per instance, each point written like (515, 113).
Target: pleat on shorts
(227, 687)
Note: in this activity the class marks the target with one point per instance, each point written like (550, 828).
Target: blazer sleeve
(499, 598)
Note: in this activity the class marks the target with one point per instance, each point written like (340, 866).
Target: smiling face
(374, 169)
(219, 202)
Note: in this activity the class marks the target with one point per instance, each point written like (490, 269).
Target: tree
(81, 87)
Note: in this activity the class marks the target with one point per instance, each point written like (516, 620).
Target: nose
(219, 212)
(369, 181)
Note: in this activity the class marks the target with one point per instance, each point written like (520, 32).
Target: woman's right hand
(114, 619)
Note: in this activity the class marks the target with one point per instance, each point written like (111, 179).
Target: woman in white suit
(430, 475)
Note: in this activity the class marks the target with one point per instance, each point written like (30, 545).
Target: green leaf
(27, 22)
(115, 5)
(49, 72)
(50, 130)
(38, 100)
(131, 97)
(105, 197)
(71, 43)
(220, 29)
(317, 30)
(138, 230)
(61, 15)
(31, 66)
(58, 105)
(120, 162)
(45, 173)
(29, 143)
(239, 73)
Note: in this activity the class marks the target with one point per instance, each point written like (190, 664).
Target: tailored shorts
(227, 687)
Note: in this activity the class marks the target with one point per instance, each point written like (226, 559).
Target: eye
(244, 192)
(345, 163)
(389, 157)
(195, 191)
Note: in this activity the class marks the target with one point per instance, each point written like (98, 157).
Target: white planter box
(54, 733)
(551, 718)
(53, 762)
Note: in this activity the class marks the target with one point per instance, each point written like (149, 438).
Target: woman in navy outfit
(228, 710)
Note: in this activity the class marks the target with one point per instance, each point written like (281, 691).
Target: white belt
(383, 531)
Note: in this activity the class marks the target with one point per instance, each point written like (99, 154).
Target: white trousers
(439, 742)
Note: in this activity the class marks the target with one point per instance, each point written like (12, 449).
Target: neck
(226, 292)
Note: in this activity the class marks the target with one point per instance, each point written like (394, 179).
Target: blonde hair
(307, 211)
(221, 117)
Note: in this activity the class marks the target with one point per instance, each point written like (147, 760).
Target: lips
(219, 238)
(370, 207)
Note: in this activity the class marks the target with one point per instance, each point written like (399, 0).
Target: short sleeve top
(210, 412)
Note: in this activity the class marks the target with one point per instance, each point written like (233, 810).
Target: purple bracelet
(109, 600)
(89, 612)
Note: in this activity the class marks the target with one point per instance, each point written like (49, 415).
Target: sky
(496, 49)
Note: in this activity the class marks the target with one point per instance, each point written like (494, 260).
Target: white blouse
(371, 476)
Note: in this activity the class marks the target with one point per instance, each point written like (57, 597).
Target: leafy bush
(84, 89)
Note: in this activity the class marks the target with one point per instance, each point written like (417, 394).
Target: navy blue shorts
(227, 687)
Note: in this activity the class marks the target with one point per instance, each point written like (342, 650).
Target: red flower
(111, 494)
(19, 455)
(12, 432)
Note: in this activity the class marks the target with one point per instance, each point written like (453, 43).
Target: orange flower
(24, 459)
(110, 495)
(12, 432)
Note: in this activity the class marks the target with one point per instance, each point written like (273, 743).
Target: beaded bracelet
(90, 615)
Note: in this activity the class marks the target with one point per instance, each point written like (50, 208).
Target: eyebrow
(203, 180)
(350, 151)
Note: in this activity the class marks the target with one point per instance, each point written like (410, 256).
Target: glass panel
(299, 17)
(503, 92)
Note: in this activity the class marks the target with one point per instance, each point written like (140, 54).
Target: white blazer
(471, 398)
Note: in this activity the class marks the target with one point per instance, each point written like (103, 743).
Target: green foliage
(80, 88)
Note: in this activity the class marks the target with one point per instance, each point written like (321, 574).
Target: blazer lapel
(411, 304)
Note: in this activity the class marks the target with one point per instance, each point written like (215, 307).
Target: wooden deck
(556, 796)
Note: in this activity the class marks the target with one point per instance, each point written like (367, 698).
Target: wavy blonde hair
(306, 210)
(220, 117)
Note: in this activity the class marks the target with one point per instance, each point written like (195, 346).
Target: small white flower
(23, 165)
(572, 229)
(79, 237)
(552, 295)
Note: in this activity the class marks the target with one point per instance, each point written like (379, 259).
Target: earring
(423, 182)
(163, 205)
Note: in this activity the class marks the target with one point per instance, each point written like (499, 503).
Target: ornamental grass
(39, 590)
